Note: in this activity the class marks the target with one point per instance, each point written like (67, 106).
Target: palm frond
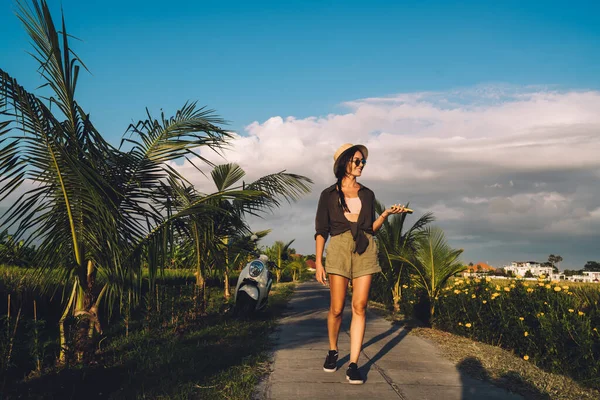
(226, 175)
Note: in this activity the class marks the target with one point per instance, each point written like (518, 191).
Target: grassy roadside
(220, 357)
(494, 364)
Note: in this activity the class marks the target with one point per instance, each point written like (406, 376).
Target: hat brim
(363, 149)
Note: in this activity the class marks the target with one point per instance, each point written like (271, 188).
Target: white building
(588, 276)
(521, 267)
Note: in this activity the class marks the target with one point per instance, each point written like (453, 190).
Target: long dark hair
(340, 172)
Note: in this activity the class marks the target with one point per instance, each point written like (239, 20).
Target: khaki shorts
(342, 260)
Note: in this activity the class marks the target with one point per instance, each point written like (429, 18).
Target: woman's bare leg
(337, 288)
(360, 296)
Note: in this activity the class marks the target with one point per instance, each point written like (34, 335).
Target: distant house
(521, 267)
(477, 269)
(312, 266)
(480, 267)
(588, 276)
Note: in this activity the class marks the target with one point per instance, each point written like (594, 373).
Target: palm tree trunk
(278, 274)
(199, 273)
(62, 358)
(396, 296)
(226, 283)
(86, 310)
(227, 286)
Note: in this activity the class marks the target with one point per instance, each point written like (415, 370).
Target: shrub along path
(396, 365)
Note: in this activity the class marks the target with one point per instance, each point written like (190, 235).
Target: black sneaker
(353, 375)
(331, 361)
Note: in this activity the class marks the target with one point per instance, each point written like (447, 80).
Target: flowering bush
(551, 324)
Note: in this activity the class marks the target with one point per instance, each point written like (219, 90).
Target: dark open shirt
(330, 219)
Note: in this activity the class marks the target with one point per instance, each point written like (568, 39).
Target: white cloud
(468, 155)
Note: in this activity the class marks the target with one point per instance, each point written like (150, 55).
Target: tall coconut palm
(433, 262)
(394, 241)
(97, 211)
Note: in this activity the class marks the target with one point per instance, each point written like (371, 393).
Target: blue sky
(253, 60)
(437, 88)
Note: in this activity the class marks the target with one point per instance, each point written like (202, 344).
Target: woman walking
(346, 212)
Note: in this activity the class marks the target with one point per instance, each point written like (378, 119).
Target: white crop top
(354, 205)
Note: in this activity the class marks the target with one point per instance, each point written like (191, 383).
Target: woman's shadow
(398, 330)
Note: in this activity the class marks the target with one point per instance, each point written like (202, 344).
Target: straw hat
(343, 148)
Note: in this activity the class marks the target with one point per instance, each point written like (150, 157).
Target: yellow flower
(513, 286)
(460, 324)
(519, 277)
(473, 296)
(456, 291)
(506, 289)
(542, 276)
(581, 313)
(526, 284)
(526, 334)
(566, 287)
(497, 287)
(571, 310)
(546, 303)
(595, 329)
(488, 279)
(521, 318)
(485, 301)
(477, 280)
(557, 288)
(555, 281)
(487, 289)
(405, 286)
(548, 286)
(529, 290)
(542, 314)
(525, 357)
(468, 325)
(541, 284)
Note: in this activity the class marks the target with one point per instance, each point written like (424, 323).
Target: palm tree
(100, 213)
(395, 242)
(433, 263)
(297, 266)
(281, 252)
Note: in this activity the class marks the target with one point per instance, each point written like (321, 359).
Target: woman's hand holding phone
(399, 209)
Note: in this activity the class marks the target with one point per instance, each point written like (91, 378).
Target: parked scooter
(254, 284)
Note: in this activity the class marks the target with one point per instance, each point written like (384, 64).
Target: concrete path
(396, 365)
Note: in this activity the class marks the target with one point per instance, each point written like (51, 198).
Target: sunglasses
(358, 161)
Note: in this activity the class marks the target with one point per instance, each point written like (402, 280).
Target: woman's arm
(322, 232)
(379, 221)
(320, 273)
(395, 209)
